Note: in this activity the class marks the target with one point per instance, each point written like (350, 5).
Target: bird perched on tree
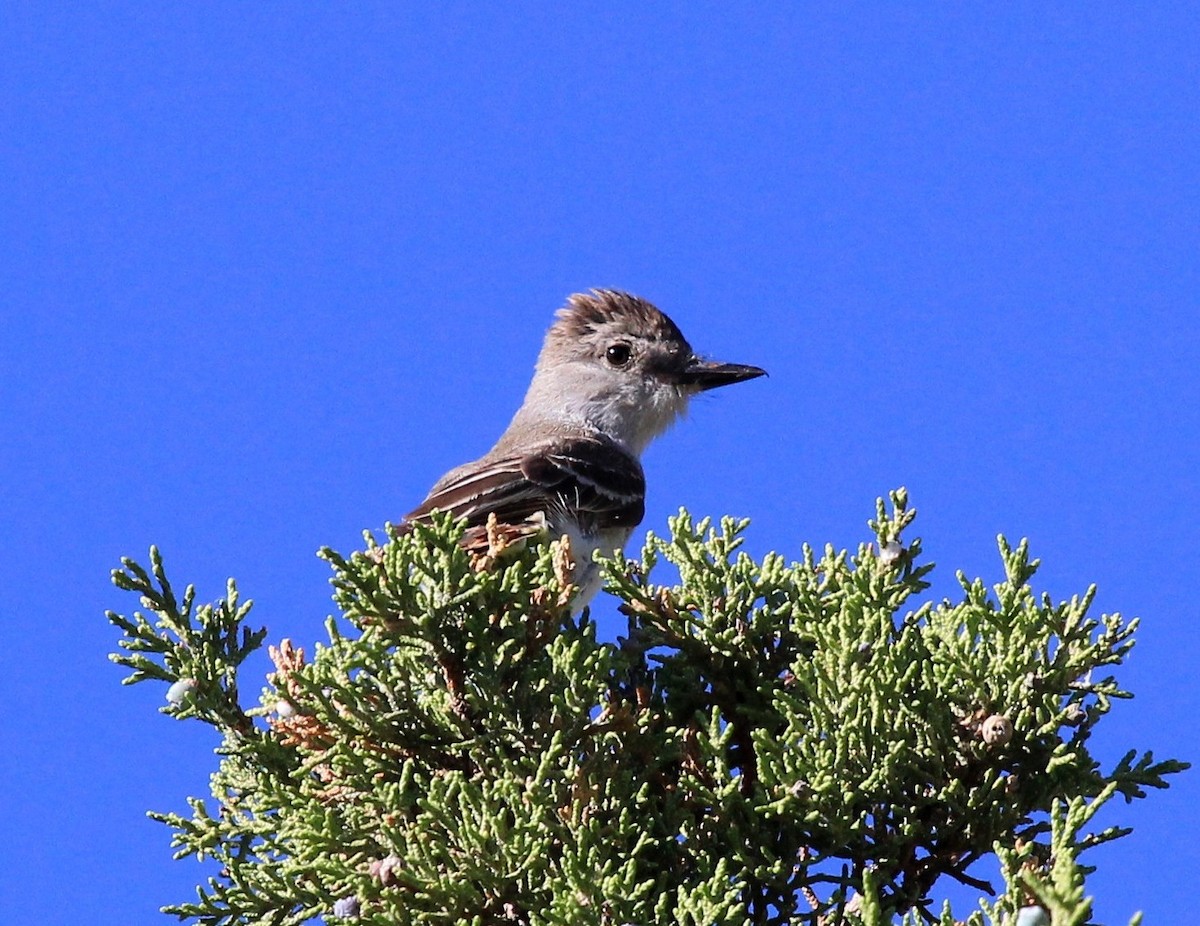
(613, 374)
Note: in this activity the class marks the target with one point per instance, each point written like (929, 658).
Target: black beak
(709, 374)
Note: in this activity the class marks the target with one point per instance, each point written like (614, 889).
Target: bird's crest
(616, 311)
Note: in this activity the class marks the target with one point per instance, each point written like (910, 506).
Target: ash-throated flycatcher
(614, 373)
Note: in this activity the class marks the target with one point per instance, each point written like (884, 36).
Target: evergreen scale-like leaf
(771, 743)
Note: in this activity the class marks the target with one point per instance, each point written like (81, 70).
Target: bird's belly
(587, 575)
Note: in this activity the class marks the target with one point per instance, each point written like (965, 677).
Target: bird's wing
(593, 477)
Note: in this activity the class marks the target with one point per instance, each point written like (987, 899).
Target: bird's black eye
(619, 354)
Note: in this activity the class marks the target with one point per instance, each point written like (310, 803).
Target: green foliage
(771, 743)
(199, 650)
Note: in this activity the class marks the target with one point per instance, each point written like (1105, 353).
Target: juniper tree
(770, 742)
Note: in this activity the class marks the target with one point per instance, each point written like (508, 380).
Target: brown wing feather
(593, 477)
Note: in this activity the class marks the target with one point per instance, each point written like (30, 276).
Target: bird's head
(615, 362)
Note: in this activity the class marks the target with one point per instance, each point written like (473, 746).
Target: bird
(614, 372)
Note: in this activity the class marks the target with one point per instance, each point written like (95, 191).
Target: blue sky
(269, 270)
